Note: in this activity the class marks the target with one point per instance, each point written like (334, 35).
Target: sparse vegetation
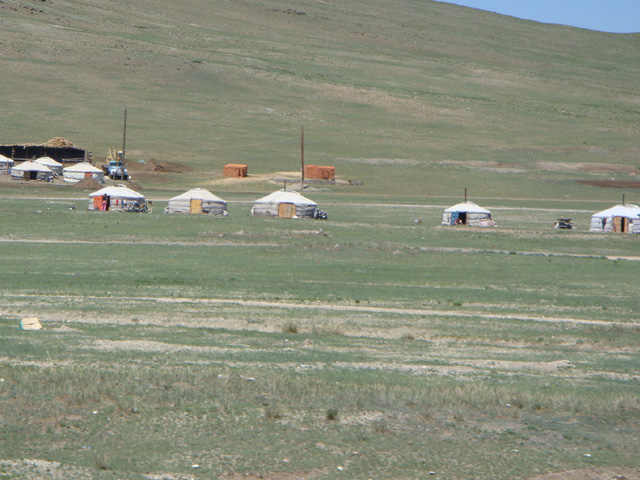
(184, 346)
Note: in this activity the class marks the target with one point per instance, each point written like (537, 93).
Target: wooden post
(302, 156)
(124, 142)
(465, 195)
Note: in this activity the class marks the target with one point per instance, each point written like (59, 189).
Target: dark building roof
(62, 154)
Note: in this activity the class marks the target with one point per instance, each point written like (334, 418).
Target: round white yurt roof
(627, 210)
(286, 196)
(48, 161)
(32, 167)
(83, 167)
(117, 191)
(4, 159)
(468, 207)
(198, 194)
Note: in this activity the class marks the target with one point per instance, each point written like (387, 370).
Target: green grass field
(375, 345)
(362, 346)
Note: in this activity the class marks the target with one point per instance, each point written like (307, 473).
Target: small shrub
(101, 462)
(274, 413)
(332, 414)
(290, 328)
(380, 427)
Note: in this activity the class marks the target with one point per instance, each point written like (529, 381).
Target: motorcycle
(320, 214)
(136, 207)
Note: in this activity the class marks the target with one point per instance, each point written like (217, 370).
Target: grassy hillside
(413, 95)
(377, 344)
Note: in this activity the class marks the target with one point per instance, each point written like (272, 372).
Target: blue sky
(618, 16)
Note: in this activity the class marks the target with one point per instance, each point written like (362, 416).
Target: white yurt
(82, 170)
(284, 204)
(5, 165)
(623, 218)
(51, 163)
(467, 213)
(197, 200)
(114, 198)
(31, 171)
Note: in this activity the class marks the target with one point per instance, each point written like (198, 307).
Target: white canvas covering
(31, 171)
(114, 198)
(467, 213)
(51, 163)
(197, 200)
(284, 203)
(618, 219)
(82, 170)
(5, 165)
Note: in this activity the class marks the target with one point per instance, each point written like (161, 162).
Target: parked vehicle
(320, 214)
(563, 223)
(114, 168)
(136, 207)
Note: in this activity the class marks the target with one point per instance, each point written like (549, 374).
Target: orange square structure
(235, 170)
(315, 172)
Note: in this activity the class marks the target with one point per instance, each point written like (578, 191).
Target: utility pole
(302, 156)
(124, 142)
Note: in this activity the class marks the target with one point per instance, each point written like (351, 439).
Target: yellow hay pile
(59, 142)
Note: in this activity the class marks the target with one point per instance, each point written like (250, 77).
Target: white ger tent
(5, 165)
(623, 218)
(114, 198)
(82, 170)
(197, 200)
(284, 204)
(467, 213)
(51, 163)
(31, 171)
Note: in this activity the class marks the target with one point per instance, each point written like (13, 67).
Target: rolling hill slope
(395, 93)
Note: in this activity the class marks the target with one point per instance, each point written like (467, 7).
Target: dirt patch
(591, 474)
(33, 469)
(134, 186)
(165, 167)
(611, 183)
(87, 184)
(274, 475)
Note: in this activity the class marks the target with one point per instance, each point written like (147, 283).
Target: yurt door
(196, 206)
(286, 210)
(97, 203)
(620, 224)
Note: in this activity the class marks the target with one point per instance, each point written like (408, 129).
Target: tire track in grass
(280, 244)
(338, 308)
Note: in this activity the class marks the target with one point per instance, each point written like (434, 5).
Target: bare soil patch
(611, 183)
(87, 184)
(165, 167)
(592, 474)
